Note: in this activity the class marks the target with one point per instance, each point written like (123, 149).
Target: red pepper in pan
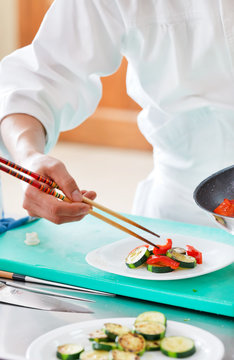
(226, 208)
(162, 249)
(191, 251)
(163, 261)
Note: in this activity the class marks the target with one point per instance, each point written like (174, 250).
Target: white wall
(8, 26)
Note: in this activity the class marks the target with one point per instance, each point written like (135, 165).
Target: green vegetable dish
(163, 258)
(119, 342)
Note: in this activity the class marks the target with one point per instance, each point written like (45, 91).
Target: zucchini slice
(184, 260)
(137, 257)
(101, 345)
(178, 250)
(94, 355)
(150, 248)
(123, 355)
(152, 316)
(113, 330)
(69, 351)
(152, 345)
(159, 268)
(177, 346)
(150, 330)
(131, 342)
(98, 335)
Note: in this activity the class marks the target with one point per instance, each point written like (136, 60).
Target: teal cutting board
(60, 256)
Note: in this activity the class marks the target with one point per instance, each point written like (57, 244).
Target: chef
(180, 71)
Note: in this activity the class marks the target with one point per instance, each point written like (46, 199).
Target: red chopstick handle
(28, 172)
(34, 183)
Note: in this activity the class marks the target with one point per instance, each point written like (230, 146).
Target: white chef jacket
(180, 71)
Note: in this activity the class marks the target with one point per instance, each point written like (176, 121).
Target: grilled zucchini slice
(113, 330)
(131, 342)
(101, 345)
(152, 316)
(159, 268)
(69, 351)
(152, 345)
(94, 355)
(123, 355)
(150, 330)
(177, 346)
(98, 335)
(184, 260)
(179, 250)
(137, 257)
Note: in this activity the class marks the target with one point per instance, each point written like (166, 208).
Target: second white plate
(111, 258)
(208, 346)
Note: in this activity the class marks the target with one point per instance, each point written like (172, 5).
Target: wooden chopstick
(117, 215)
(53, 192)
(120, 227)
(28, 172)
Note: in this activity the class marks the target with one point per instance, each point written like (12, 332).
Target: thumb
(76, 195)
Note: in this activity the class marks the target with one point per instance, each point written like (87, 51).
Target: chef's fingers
(54, 169)
(40, 204)
(89, 194)
(58, 172)
(46, 206)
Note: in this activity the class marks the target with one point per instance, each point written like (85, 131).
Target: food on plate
(147, 333)
(98, 335)
(152, 316)
(163, 258)
(32, 239)
(115, 330)
(132, 342)
(123, 355)
(150, 330)
(177, 346)
(94, 355)
(161, 263)
(179, 250)
(152, 345)
(226, 208)
(106, 346)
(69, 351)
(185, 261)
(191, 251)
(137, 256)
(162, 249)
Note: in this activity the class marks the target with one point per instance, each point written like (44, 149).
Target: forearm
(23, 136)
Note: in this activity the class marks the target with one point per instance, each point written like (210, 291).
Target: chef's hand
(24, 136)
(40, 204)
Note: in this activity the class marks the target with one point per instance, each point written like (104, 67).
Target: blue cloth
(10, 223)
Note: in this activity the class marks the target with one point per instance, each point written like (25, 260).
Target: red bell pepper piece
(191, 251)
(162, 249)
(226, 208)
(162, 260)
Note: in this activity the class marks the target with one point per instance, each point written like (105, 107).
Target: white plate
(111, 258)
(208, 346)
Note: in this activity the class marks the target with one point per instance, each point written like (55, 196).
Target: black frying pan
(213, 190)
